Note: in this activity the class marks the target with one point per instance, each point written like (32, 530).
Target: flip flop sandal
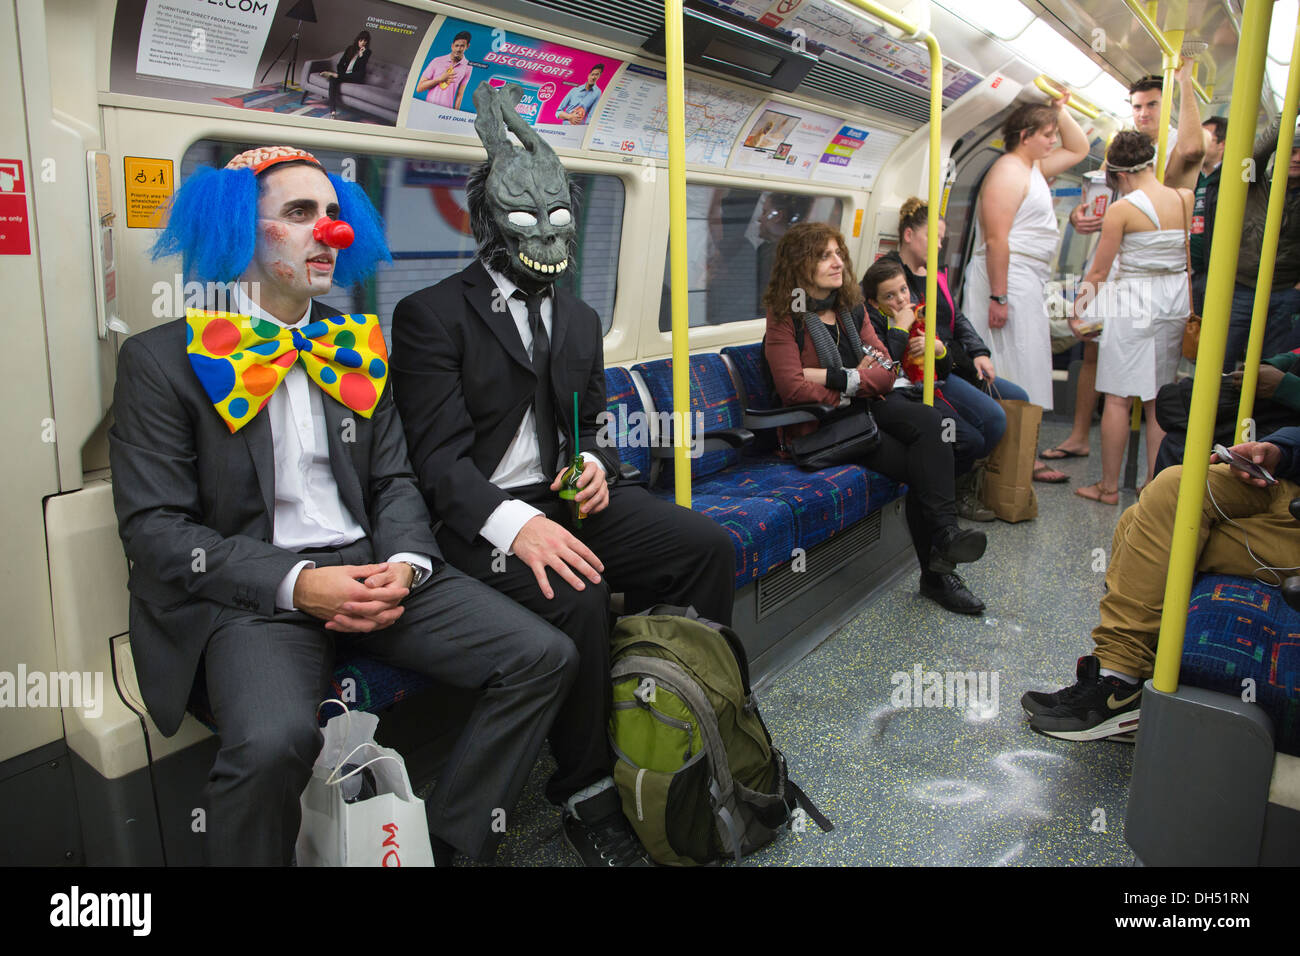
(1050, 475)
(1057, 454)
(1101, 497)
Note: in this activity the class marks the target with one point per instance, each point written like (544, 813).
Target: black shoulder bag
(849, 434)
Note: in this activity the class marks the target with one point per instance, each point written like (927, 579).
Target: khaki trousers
(1139, 561)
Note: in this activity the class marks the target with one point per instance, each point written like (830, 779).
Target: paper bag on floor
(1009, 474)
(359, 808)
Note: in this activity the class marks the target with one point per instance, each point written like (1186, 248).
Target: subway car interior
(696, 135)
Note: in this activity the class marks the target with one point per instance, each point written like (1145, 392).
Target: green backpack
(695, 766)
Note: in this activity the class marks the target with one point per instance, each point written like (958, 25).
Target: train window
(731, 235)
(427, 225)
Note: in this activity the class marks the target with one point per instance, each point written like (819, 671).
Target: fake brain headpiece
(212, 220)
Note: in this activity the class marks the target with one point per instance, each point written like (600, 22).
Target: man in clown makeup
(269, 512)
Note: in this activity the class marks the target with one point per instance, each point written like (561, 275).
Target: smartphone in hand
(1243, 464)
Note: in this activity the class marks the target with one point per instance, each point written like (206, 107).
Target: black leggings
(912, 449)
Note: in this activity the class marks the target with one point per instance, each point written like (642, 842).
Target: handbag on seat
(845, 438)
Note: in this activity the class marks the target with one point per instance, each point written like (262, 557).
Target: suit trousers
(266, 677)
(1139, 557)
(653, 551)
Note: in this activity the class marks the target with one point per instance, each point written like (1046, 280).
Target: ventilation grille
(782, 586)
(639, 17)
(846, 85)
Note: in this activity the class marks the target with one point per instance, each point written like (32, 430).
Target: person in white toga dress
(1143, 303)
(1015, 245)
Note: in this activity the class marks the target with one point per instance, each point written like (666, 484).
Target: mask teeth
(542, 267)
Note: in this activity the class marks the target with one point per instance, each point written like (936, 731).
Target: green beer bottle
(569, 489)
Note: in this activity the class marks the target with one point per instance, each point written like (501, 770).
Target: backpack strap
(801, 800)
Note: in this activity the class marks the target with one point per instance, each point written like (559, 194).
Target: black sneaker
(950, 592)
(952, 546)
(1094, 708)
(1041, 701)
(604, 838)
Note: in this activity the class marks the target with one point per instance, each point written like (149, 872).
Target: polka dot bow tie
(241, 361)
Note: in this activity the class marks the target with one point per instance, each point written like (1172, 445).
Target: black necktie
(543, 397)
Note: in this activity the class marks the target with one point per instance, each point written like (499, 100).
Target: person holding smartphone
(1246, 530)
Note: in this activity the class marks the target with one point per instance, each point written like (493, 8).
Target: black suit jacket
(195, 506)
(462, 382)
(358, 74)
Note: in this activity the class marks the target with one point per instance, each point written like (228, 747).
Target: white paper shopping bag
(383, 825)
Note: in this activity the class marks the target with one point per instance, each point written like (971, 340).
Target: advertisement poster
(855, 156)
(325, 59)
(635, 120)
(562, 87)
(185, 42)
(785, 141)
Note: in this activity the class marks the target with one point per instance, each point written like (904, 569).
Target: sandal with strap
(1050, 475)
(1098, 494)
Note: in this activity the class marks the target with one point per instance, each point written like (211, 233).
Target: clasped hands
(354, 598)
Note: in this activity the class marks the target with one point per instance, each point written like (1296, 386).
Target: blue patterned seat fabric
(624, 404)
(757, 393)
(1238, 629)
(713, 395)
(770, 507)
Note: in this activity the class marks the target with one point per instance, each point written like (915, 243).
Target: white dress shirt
(309, 513)
(522, 462)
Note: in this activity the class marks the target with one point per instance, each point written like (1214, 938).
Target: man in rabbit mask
(486, 365)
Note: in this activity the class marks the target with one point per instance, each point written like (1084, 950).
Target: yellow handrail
(681, 323)
(1169, 64)
(1268, 252)
(1056, 91)
(674, 66)
(1229, 213)
(912, 32)
(1162, 41)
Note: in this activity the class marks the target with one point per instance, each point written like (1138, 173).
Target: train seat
(823, 502)
(762, 528)
(1216, 775)
(1239, 630)
(755, 390)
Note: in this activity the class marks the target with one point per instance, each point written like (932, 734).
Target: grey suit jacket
(195, 506)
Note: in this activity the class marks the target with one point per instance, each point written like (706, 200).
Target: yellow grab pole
(1056, 91)
(1166, 46)
(1246, 83)
(1268, 252)
(936, 180)
(1167, 104)
(677, 249)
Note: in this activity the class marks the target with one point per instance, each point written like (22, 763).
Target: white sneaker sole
(1119, 727)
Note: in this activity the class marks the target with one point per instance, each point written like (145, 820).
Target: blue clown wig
(212, 226)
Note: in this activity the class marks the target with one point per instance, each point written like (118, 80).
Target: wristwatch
(999, 299)
(416, 571)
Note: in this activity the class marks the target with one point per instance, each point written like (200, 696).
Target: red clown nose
(335, 233)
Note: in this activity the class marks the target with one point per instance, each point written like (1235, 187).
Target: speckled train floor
(937, 785)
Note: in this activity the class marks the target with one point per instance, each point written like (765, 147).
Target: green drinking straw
(575, 424)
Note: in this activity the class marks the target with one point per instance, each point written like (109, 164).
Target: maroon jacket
(787, 364)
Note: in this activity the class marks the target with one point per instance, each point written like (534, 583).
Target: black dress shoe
(950, 591)
(952, 546)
